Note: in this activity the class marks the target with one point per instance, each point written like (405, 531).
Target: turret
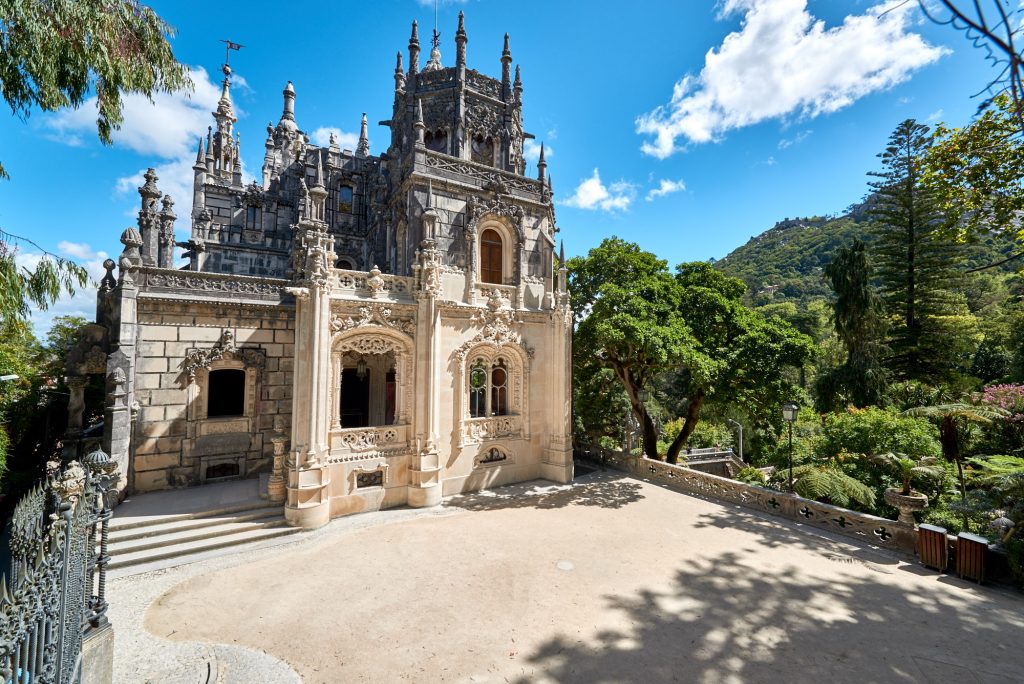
(287, 121)
(460, 45)
(223, 140)
(506, 71)
(148, 221)
(363, 148)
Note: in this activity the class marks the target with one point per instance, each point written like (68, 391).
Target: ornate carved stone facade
(368, 330)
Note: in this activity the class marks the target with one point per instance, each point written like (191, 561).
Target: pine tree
(915, 259)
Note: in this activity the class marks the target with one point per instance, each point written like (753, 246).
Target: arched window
(346, 202)
(438, 142)
(482, 150)
(490, 257)
(345, 264)
(226, 393)
(488, 388)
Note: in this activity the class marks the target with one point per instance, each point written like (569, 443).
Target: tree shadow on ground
(726, 620)
(604, 491)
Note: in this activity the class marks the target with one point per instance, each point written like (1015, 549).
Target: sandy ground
(612, 580)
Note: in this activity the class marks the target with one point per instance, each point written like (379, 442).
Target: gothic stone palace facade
(369, 331)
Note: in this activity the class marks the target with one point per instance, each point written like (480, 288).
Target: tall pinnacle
(460, 42)
(506, 71)
(288, 113)
(363, 148)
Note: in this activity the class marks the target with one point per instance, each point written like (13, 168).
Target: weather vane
(437, 36)
(228, 47)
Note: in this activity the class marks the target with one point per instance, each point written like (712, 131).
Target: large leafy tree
(629, 320)
(915, 258)
(55, 54)
(637, 319)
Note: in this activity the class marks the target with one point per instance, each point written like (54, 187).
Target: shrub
(875, 431)
(750, 475)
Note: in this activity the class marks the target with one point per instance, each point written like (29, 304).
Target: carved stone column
(76, 406)
(276, 483)
(557, 463)
(425, 470)
(308, 490)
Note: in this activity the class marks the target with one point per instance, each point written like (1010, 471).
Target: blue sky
(687, 127)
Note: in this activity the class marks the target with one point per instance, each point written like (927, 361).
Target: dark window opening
(251, 216)
(482, 150)
(389, 401)
(493, 456)
(226, 393)
(374, 479)
(355, 398)
(346, 200)
(490, 257)
(346, 264)
(478, 391)
(438, 142)
(221, 470)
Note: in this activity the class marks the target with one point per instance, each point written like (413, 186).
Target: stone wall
(869, 529)
(174, 442)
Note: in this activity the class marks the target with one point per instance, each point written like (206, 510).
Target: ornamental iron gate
(55, 594)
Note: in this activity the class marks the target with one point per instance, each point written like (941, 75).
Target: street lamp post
(739, 428)
(789, 411)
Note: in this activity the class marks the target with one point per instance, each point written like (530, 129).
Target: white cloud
(935, 116)
(531, 151)
(784, 62)
(665, 187)
(346, 141)
(593, 194)
(83, 302)
(795, 140)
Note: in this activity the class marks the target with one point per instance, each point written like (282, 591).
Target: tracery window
(491, 257)
(488, 388)
(252, 214)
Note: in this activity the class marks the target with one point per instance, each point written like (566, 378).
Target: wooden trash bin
(932, 547)
(971, 553)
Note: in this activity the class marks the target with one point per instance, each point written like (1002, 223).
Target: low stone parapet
(869, 529)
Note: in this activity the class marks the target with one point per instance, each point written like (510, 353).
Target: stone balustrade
(383, 438)
(362, 282)
(477, 430)
(870, 529)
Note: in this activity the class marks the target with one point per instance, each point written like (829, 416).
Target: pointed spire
(517, 86)
(319, 171)
(460, 43)
(399, 74)
(414, 50)
(209, 142)
(225, 114)
(506, 71)
(561, 254)
(542, 166)
(418, 124)
(199, 154)
(363, 148)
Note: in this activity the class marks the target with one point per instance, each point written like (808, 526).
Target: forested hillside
(786, 261)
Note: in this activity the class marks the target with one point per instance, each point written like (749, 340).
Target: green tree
(628, 318)
(915, 258)
(54, 54)
(856, 315)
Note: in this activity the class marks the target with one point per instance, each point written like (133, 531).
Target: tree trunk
(633, 388)
(692, 418)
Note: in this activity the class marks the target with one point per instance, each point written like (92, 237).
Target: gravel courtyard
(610, 580)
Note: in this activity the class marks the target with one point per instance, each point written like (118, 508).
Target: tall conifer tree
(916, 261)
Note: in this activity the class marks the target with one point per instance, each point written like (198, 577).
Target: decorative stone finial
(288, 114)
(363, 148)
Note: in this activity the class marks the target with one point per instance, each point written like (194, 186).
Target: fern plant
(826, 482)
(908, 468)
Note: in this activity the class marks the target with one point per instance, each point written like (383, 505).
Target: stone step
(172, 538)
(185, 549)
(131, 522)
(123, 534)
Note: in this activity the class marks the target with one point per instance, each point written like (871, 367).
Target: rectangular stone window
(226, 393)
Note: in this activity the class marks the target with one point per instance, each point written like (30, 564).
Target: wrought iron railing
(55, 594)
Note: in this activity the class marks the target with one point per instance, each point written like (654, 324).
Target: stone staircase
(139, 544)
